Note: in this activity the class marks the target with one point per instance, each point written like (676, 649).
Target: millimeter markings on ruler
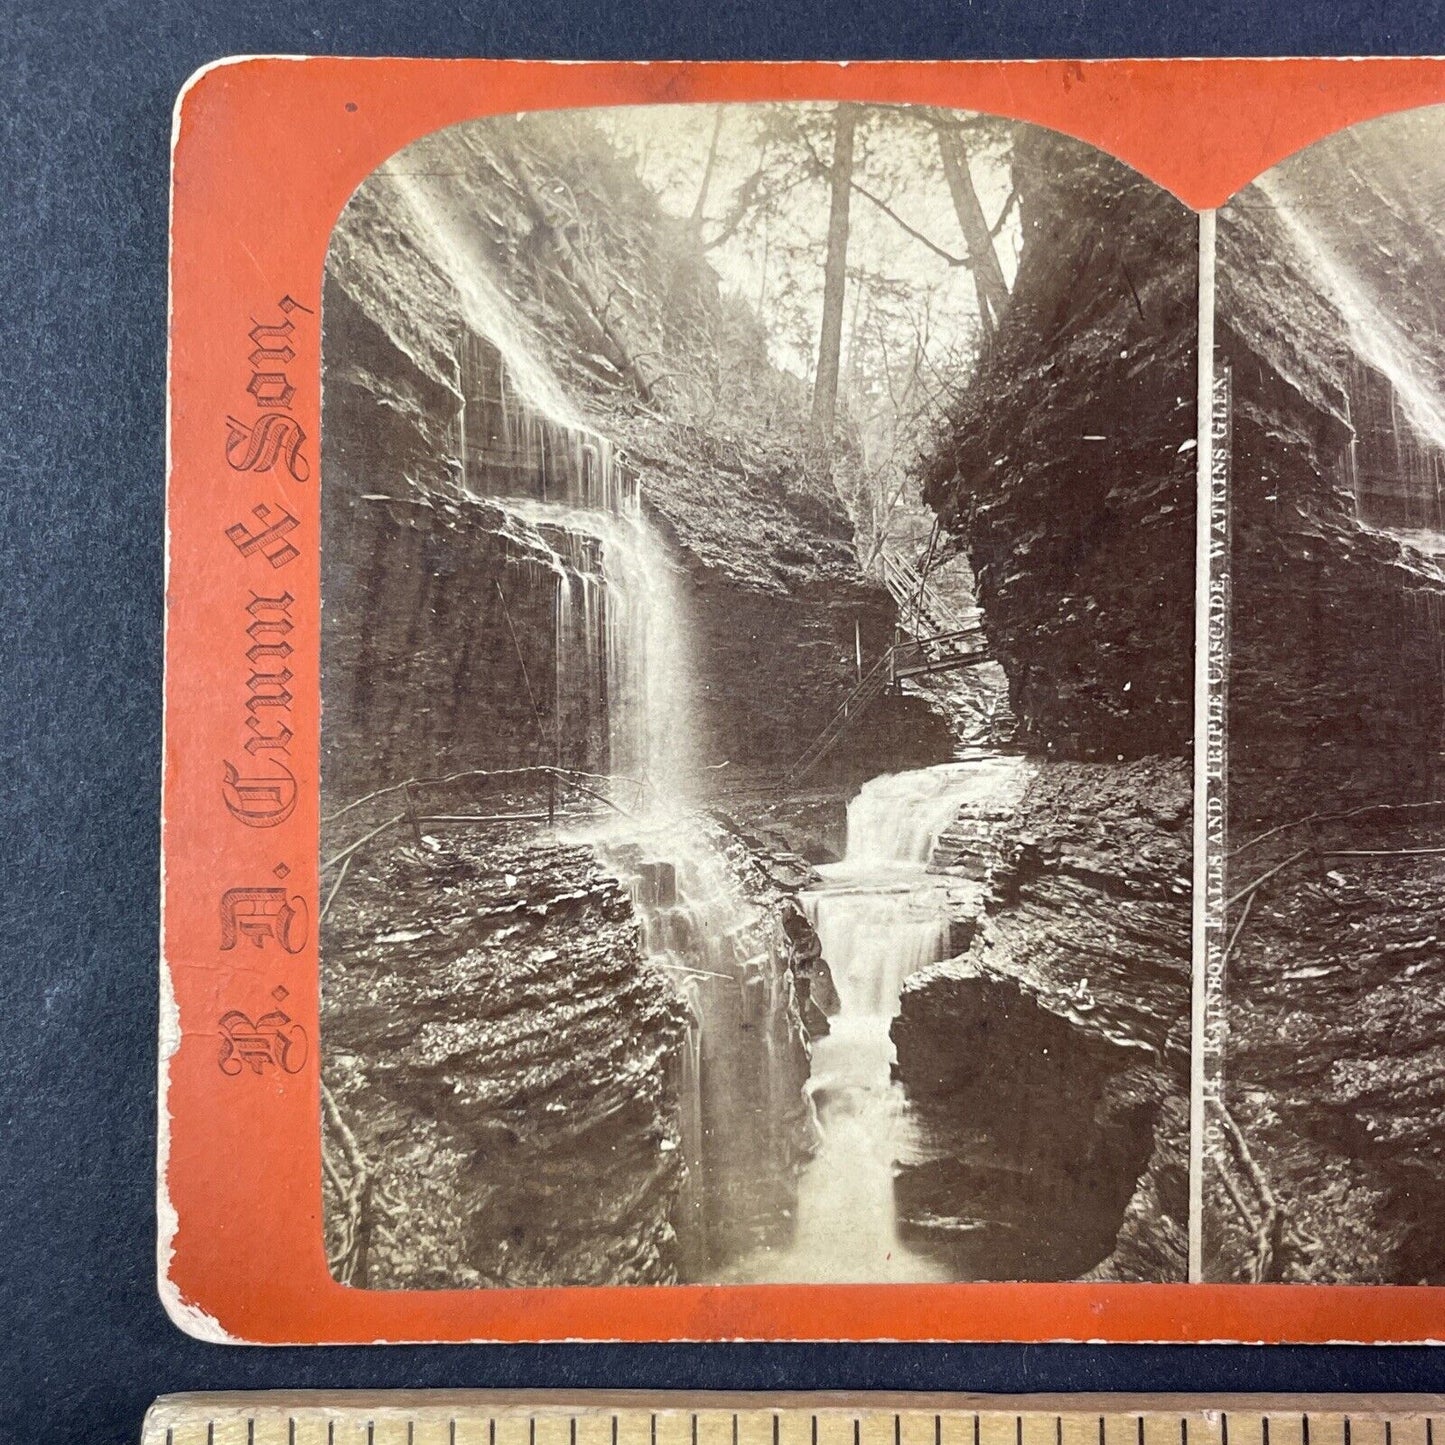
(445, 1417)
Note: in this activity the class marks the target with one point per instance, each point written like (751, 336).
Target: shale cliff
(544, 1067)
(467, 355)
(1328, 1165)
(1066, 469)
(1336, 670)
(1048, 1062)
(465, 1149)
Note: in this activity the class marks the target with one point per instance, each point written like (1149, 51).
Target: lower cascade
(880, 916)
(721, 934)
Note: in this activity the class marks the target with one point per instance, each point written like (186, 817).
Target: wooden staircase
(910, 657)
(934, 637)
(870, 687)
(921, 611)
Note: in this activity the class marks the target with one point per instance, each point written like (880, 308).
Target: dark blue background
(85, 96)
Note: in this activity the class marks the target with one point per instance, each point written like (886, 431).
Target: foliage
(760, 217)
(670, 260)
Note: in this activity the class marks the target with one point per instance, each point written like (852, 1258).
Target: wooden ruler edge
(181, 1408)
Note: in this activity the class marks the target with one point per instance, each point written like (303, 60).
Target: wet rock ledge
(541, 1070)
(503, 1060)
(1047, 1065)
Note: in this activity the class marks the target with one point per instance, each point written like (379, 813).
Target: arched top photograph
(745, 530)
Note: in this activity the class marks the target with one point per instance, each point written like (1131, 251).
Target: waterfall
(880, 916)
(740, 1093)
(620, 694)
(617, 700)
(620, 636)
(874, 938)
(620, 628)
(431, 214)
(1392, 401)
(1395, 462)
(896, 819)
(620, 699)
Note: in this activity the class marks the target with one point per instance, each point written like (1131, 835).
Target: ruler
(444, 1417)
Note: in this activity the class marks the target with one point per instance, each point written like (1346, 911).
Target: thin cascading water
(1395, 461)
(1394, 406)
(621, 644)
(436, 223)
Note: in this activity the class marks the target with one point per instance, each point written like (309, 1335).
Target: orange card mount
(679, 810)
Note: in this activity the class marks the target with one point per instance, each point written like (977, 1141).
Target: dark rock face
(1067, 468)
(1039, 1131)
(544, 1076)
(492, 1156)
(1336, 678)
(1048, 1066)
(1336, 706)
(1336, 1010)
(778, 665)
(440, 650)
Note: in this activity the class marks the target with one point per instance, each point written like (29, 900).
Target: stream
(880, 916)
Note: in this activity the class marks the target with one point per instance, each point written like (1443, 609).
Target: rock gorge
(1049, 1062)
(543, 563)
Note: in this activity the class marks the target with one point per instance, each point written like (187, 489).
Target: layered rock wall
(548, 1065)
(1048, 1063)
(449, 317)
(1066, 469)
(1336, 678)
(477, 1152)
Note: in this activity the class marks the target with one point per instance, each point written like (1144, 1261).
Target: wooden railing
(560, 784)
(911, 657)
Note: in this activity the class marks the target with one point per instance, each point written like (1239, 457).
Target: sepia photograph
(757, 580)
(1325, 1148)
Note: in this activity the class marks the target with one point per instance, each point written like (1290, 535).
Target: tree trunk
(835, 278)
(988, 277)
(853, 334)
(696, 219)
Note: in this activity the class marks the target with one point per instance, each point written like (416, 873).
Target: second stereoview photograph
(758, 573)
(1325, 1143)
